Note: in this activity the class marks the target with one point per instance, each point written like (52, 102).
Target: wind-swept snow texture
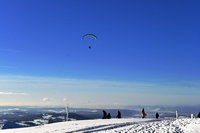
(131, 125)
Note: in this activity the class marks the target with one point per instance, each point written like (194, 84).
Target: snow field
(129, 125)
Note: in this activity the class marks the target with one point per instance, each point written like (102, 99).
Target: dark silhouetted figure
(157, 115)
(104, 114)
(89, 47)
(119, 114)
(143, 113)
(198, 116)
(108, 116)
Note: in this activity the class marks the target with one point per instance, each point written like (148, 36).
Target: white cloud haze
(98, 92)
(12, 93)
(45, 99)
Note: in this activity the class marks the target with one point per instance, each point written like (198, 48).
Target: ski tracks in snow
(152, 126)
(121, 127)
(103, 127)
(163, 126)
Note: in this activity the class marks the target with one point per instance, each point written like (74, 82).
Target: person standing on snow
(157, 115)
(119, 115)
(198, 116)
(108, 116)
(104, 114)
(143, 113)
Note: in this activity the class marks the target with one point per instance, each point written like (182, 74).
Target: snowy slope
(132, 125)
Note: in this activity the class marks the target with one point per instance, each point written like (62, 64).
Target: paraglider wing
(89, 39)
(91, 35)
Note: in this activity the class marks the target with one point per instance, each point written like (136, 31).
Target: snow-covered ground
(132, 125)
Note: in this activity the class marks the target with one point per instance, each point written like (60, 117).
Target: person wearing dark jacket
(157, 115)
(198, 116)
(143, 113)
(119, 115)
(108, 116)
(104, 114)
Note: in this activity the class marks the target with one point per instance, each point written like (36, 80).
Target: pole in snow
(176, 114)
(67, 113)
(66, 110)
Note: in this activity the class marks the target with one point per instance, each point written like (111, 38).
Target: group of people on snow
(108, 116)
(193, 116)
(144, 114)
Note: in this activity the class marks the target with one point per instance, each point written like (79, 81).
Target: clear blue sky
(141, 41)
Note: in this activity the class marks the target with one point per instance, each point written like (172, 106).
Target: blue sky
(148, 48)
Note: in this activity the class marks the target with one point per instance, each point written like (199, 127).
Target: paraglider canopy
(90, 35)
